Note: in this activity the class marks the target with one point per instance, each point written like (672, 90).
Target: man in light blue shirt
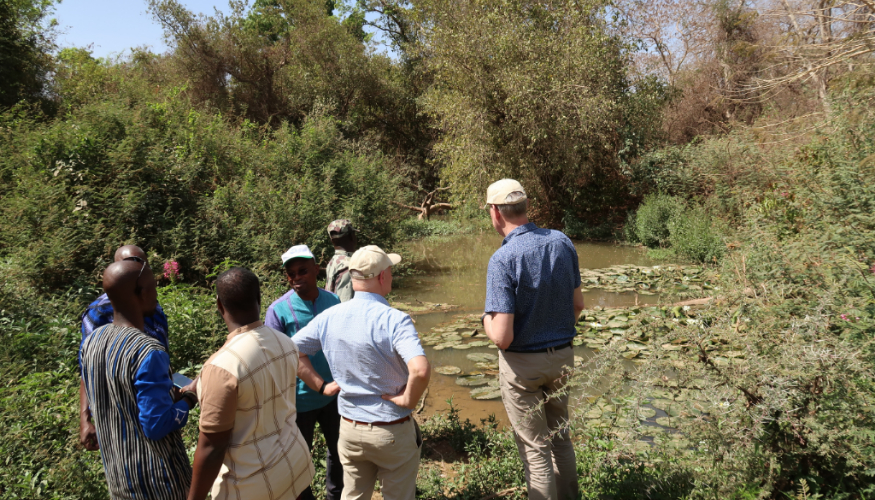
(289, 314)
(381, 371)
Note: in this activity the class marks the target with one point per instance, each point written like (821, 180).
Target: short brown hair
(513, 210)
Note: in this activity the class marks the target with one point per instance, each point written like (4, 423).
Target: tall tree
(25, 42)
(537, 91)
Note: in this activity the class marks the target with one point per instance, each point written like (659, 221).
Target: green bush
(695, 236)
(653, 219)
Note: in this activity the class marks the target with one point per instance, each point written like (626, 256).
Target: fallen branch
(422, 402)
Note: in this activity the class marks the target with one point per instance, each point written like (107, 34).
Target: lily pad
(644, 412)
(480, 343)
(472, 381)
(461, 346)
(448, 370)
(484, 393)
(666, 421)
(483, 357)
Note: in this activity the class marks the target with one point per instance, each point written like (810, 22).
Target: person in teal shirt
(289, 314)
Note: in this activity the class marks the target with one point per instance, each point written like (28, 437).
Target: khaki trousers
(370, 451)
(526, 379)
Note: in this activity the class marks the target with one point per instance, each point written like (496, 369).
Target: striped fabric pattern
(136, 467)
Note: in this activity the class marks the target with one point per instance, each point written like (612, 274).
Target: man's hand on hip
(401, 399)
(331, 389)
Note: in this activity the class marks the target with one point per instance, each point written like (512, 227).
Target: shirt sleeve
(405, 340)
(159, 415)
(575, 264)
(93, 318)
(500, 293)
(272, 320)
(218, 399)
(307, 339)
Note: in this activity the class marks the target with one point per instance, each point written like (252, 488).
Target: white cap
(371, 261)
(297, 252)
(505, 192)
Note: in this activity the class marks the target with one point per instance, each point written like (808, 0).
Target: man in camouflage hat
(338, 280)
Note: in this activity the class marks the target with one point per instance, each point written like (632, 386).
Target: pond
(455, 274)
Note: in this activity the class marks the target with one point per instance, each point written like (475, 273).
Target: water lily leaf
(644, 412)
(593, 413)
(472, 380)
(636, 346)
(448, 370)
(451, 337)
(487, 366)
(665, 421)
(484, 393)
(672, 347)
(461, 346)
(480, 343)
(484, 357)
(630, 354)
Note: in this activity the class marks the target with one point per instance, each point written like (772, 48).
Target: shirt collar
(338, 251)
(525, 228)
(243, 329)
(374, 297)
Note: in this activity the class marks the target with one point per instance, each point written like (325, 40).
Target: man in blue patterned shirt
(533, 300)
(100, 313)
(381, 371)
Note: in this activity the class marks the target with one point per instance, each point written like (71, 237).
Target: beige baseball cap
(371, 261)
(505, 192)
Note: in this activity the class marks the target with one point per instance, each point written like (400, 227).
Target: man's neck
(310, 297)
(128, 319)
(237, 323)
(369, 290)
(509, 226)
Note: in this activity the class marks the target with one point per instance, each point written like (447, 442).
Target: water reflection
(455, 273)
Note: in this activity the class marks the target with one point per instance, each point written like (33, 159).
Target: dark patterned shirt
(127, 380)
(533, 276)
(100, 313)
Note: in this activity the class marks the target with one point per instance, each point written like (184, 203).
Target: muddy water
(455, 273)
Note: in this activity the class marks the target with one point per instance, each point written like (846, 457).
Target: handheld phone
(180, 380)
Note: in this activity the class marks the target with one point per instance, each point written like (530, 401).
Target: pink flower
(844, 317)
(171, 270)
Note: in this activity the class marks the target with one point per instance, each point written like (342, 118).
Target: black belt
(546, 349)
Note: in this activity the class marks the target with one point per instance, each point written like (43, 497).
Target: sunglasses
(137, 287)
(299, 273)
